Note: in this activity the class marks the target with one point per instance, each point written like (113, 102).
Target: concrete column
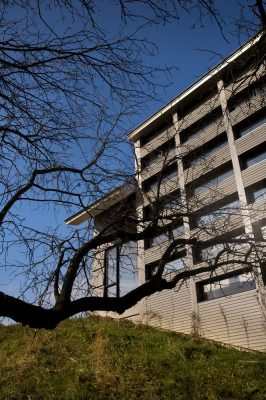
(235, 160)
(189, 253)
(140, 245)
(241, 191)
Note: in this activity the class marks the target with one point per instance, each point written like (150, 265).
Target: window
(156, 132)
(253, 156)
(259, 229)
(256, 192)
(204, 151)
(160, 153)
(120, 270)
(167, 204)
(210, 251)
(250, 125)
(211, 214)
(247, 96)
(225, 285)
(200, 126)
(169, 233)
(160, 179)
(170, 203)
(171, 267)
(211, 179)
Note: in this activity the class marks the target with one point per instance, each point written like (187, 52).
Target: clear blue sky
(193, 48)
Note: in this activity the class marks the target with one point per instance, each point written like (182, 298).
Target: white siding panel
(157, 166)
(165, 188)
(243, 81)
(247, 108)
(157, 141)
(254, 174)
(204, 108)
(207, 164)
(252, 139)
(204, 136)
(171, 309)
(235, 319)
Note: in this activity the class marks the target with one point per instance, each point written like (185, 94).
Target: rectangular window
(200, 127)
(225, 285)
(167, 204)
(153, 183)
(120, 270)
(156, 132)
(256, 192)
(161, 153)
(253, 156)
(250, 125)
(212, 179)
(172, 266)
(208, 252)
(208, 149)
(168, 234)
(226, 209)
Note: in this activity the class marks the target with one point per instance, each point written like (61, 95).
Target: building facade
(201, 172)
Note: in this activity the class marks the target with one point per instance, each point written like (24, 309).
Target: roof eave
(136, 133)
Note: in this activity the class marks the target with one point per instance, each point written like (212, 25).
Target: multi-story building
(201, 174)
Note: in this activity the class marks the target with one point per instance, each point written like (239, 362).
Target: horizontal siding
(247, 108)
(165, 188)
(250, 140)
(200, 111)
(235, 319)
(254, 174)
(170, 309)
(207, 164)
(243, 81)
(215, 193)
(210, 230)
(258, 210)
(204, 135)
(157, 141)
(154, 253)
(157, 166)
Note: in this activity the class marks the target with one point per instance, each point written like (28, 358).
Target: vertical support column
(241, 191)
(98, 265)
(140, 244)
(235, 160)
(189, 253)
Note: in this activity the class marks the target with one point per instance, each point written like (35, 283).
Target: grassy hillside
(100, 359)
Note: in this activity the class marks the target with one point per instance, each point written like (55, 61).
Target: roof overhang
(104, 203)
(173, 104)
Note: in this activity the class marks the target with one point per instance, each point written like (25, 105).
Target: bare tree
(66, 86)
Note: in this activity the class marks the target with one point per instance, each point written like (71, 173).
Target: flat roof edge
(110, 199)
(134, 135)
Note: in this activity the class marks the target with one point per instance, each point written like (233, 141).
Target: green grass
(102, 359)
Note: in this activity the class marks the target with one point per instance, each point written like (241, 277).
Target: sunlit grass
(100, 359)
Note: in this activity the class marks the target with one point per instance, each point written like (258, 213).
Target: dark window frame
(150, 269)
(208, 149)
(210, 179)
(248, 159)
(160, 152)
(231, 289)
(250, 124)
(168, 231)
(161, 178)
(118, 269)
(164, 126)
(252, 189)
(199, 126)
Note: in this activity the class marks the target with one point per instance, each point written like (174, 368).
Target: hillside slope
(100, 359)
